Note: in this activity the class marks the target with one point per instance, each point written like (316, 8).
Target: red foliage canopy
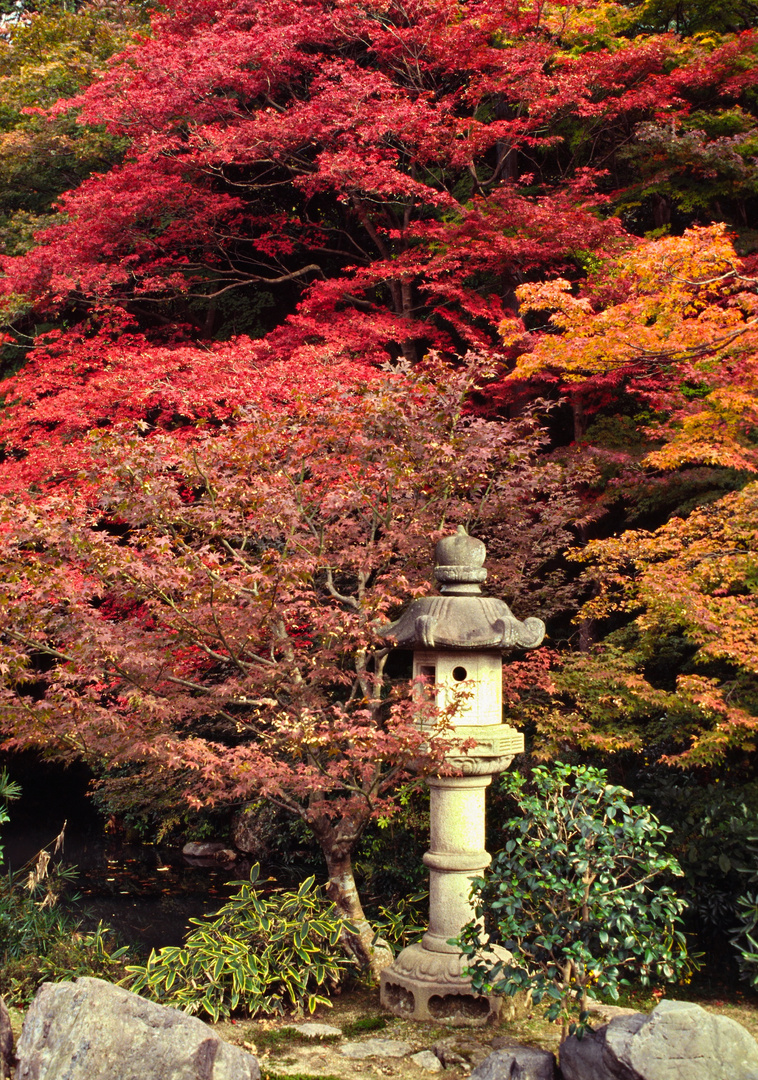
(398, 168)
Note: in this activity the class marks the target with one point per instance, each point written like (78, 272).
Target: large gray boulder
(92, 1030)
(517, 1063)
(677, 1041)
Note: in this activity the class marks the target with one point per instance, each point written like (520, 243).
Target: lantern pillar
(458, 639)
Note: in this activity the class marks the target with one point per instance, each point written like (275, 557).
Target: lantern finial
(460, 563)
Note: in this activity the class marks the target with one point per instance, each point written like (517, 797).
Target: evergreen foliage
(575, 896)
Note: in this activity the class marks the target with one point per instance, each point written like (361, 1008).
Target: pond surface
(145, 892)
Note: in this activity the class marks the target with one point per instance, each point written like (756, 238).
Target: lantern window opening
(425, 684)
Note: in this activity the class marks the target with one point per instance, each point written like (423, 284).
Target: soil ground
(357, 1013)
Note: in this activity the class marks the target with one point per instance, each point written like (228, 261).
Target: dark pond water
(145, 892)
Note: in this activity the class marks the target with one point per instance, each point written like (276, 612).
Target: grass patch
(364, 1024)
(276, 1040)
(268, 1074)
(304, 1037)
(640, 998)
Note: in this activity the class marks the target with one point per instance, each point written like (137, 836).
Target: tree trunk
(577, 410)
(341, 889)
(661, 211)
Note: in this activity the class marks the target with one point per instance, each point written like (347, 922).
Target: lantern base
(425, 985)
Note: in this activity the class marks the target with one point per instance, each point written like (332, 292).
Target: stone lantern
(457, 639)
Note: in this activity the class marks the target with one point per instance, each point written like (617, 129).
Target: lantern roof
(461, 618)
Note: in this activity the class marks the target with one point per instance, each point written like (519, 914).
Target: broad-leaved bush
(579, 896)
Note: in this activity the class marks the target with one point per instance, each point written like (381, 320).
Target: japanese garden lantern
(457, 639)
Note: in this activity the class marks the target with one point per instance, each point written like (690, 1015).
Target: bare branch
(349, 601)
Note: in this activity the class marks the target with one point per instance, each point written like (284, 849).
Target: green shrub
(8, 791)
(257, 954)
(68, 954)
(389, 859)
(713, 824)
(405, 922)
(571, 896)
(744, 936)
(39, 940)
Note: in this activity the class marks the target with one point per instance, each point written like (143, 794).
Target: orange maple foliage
(696, 578)
(673, 322)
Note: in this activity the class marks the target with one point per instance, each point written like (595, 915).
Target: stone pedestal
(425, 981)
(456, 854)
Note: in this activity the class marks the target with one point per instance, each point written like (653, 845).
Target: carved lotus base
(425, 985)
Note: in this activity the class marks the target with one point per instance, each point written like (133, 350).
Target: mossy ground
(358, 1015)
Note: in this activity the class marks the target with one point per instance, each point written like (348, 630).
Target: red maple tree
(211, 617)
(390, 172)
(309, 191)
